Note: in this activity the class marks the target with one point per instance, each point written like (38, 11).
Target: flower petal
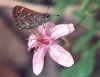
(61, 30)
(61, 56)
(46, 28)
(38, 60)
(31, 41)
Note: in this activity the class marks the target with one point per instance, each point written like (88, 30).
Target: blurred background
(83, 43)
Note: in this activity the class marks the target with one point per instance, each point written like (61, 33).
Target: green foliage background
(84, 15)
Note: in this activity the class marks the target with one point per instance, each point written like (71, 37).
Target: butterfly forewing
(26, 18)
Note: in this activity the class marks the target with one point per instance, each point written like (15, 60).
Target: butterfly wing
(26, 18)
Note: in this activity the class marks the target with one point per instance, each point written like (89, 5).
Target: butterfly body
(26, 18)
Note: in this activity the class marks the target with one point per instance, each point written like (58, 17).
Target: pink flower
(44, 41)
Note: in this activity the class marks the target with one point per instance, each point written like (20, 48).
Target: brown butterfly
(26, 19)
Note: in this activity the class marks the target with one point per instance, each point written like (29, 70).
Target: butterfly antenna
(48, 9)
(55, 15)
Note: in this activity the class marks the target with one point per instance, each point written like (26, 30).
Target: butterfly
(26, 18)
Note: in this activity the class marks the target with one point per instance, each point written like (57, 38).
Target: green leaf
(89, 19)
(82, 68)
(82, 42)
(78, 15)
(61, 5)
(85, 3)
(85, 66)
(84, 17)
(96, 1)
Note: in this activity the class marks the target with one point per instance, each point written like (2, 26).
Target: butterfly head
(46, 17)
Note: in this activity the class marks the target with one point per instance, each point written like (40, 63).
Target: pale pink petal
(46, 28)
(61, 30)
(38, 60)
(31, 41)
(60, 55)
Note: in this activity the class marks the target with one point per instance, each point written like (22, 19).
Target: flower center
(44, 40)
